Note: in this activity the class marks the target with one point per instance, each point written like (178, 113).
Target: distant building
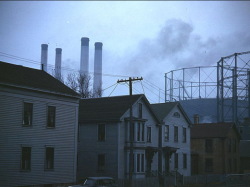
(245, 129)
(39, 119)
(175, 137)
(245, 156)
(215, 148)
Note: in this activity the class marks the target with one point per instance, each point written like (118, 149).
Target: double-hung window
(51, 116)
(166, 134)
(101, 132)
(140, 163)
(229, 145)
(140, 110)
(235, 145)
(49, 161)
(101, 162)
(209, 165)
(26, 158)
(209, 145)
(27, 114)
(140, 131)
(184, 135)
(148, 134)
(176, 134)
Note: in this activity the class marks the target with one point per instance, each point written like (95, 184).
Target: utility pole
(131, 135)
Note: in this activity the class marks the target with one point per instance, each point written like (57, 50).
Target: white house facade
(176, 154)
(39, 120)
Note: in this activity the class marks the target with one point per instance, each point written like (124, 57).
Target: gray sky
(144, 38)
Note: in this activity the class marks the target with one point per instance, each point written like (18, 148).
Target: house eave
(40, 90)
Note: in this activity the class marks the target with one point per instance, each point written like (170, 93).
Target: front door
(166, 164)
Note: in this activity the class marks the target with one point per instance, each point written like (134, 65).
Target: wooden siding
(89, 147)
(183, 147)
(14, 135)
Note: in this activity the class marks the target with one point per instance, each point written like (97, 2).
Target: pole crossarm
(130, 79)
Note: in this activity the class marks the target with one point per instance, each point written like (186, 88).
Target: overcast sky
(144, 38)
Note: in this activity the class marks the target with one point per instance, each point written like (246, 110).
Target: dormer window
(177, 115)
(140, 110)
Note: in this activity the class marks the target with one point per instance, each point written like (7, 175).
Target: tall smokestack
(97, 85)
(84, 65)
(58, 63)
(44, 57)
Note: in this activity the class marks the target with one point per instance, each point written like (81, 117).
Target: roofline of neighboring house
(185, 114)
(40, 90)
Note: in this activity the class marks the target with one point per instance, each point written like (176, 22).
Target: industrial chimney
(44, 57)
(97, 85)
(58, 63)
(84, 65)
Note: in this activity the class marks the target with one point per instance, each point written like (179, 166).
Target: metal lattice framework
(233, 79)
(228, 82)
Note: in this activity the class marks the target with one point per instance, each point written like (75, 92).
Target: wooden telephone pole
(131, 149)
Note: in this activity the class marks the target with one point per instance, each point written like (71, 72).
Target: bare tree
(81, 83)
(98, 91)
(72, 81)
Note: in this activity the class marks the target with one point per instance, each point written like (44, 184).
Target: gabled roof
(212, 130)
(33, 79)
(107, 108)
(163, 109)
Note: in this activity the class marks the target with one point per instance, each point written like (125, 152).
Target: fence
(239, 180)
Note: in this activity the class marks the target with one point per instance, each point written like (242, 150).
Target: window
(27, 114)
(184, 161)
(49, 162)
(241, 130)
(26, 158)
(148, 134)
(176, 160)
(140, 110)
(101, 132)
(51, 116)
(229, 145)
(101, 162)
(140, 163)
(209, 145)
(235, 165)
(177, 115)
(209, 165)
(166, 136)
(176, 134)
(229, 165)
(234, 145)
(140, 131)
(184, 136)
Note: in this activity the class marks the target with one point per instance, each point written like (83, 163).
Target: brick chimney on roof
(196, 118)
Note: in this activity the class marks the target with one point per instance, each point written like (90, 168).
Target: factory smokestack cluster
(84, 62)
